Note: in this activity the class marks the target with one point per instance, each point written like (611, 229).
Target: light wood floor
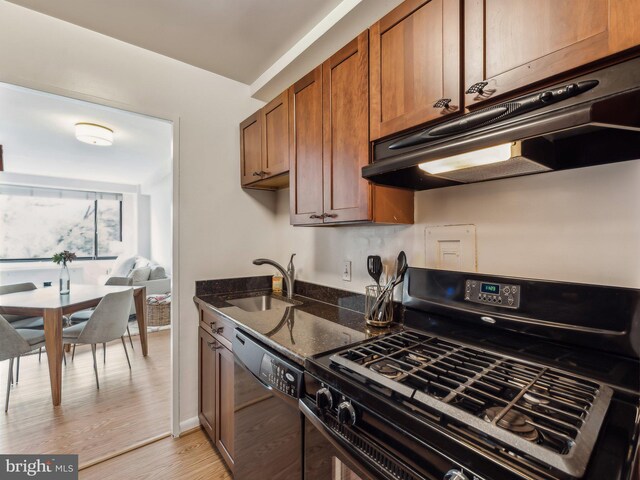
(130, 407)
(190, 457)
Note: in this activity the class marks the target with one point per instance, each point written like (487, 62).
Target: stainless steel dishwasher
(268, 423)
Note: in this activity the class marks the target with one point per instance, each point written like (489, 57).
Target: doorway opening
(112, 206)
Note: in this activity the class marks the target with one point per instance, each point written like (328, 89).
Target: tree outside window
(34, 223)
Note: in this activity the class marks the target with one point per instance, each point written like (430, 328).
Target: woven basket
(158, 315)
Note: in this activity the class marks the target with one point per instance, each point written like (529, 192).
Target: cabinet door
(275, 136)
(224, 404)
(305, 133)
(251, 149)
(515, 43)
(415, 62)
(206, 382)
(347, 196)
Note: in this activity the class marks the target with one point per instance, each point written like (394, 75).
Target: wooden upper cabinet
(511, 44)
(251, 149)
(305, 139)
(275, 136)
(415, 65)
(346, 138)
(328, 128)
(264, 146)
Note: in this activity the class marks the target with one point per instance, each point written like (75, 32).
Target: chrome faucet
(288, 275)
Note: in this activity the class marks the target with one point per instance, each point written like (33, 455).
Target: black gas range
(492, 378)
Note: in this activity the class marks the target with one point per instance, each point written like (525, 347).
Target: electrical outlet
(346, 270)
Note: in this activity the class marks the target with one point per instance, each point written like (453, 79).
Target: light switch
(346, 271)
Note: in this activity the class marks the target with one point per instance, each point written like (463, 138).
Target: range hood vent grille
(513, 167)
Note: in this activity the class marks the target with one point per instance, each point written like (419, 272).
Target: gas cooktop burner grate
(387, 368)
(541, 411)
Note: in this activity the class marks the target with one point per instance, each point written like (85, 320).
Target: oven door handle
(345, 456)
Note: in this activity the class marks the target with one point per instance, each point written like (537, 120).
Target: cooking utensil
(374, 267)
(380, 306)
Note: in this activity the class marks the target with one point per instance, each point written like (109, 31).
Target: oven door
(324, 457)
(372, 449)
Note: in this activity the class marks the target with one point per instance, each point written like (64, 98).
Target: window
(37, 222)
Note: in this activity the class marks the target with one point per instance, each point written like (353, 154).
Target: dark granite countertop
(304, 330)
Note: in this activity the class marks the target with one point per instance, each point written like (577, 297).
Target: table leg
(53, 342)
(139, 298)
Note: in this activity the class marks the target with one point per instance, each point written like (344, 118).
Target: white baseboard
(189, 424)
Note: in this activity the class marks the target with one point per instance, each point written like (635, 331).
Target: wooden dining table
(52, 306)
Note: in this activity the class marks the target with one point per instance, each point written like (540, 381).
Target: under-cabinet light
(485, 156)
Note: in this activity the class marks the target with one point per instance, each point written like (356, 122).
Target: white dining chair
(83, 315)
(107, 322)
(22, 321)
(13, 343)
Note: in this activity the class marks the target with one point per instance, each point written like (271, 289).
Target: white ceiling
(238, 39)
(37, 132)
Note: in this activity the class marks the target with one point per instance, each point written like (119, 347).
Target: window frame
(95, 255)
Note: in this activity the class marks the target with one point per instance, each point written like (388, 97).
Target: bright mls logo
(51, 467)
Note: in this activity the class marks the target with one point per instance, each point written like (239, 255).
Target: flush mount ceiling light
(94, 134)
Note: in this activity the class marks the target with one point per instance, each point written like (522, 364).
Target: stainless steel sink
(259, 304)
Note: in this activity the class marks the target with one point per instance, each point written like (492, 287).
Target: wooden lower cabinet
(206, 382)
(224, 404)
(216, 392)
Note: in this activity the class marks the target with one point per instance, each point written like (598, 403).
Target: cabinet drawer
(220, 327)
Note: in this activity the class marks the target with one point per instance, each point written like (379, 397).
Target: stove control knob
(324, 399)
(346, 414)
(455, 474)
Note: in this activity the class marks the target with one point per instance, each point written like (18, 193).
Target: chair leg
(95, 364)
(64, 357)
(39, 354)
(9, 380)
(18, 369)
(124, 345)
(129, 334)
(73, 352)
(104, 350)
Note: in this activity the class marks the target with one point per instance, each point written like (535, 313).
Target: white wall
(217, 222)
(580, 226)
(159, 193)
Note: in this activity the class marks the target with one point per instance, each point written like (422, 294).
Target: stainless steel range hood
(591, 120)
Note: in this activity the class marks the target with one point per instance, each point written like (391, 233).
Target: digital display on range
(493, 288)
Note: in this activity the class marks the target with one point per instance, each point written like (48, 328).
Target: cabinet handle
(256, 174)
(212, 325)
(219, 330)
(476, 88)
(213, 345)
(316, 216)
(442, 103)
(329, 215)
